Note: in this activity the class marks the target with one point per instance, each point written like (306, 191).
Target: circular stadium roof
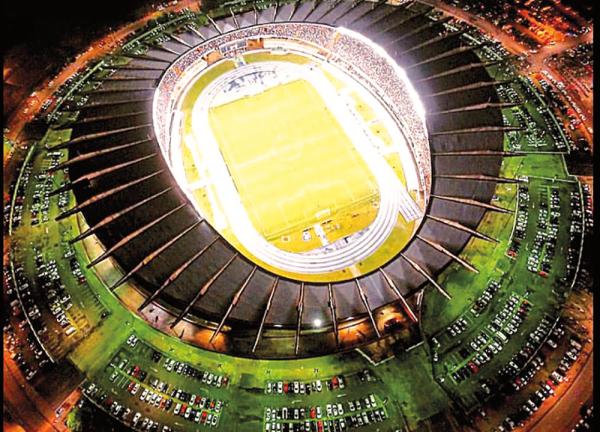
(151, 229)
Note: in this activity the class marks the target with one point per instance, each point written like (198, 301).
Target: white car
(319, 385)
(132, 340)
(136, 418)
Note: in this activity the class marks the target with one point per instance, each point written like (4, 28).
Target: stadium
(251, 201)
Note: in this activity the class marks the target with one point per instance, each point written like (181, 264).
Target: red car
(286, 387)
(313, 413)
(203, 418)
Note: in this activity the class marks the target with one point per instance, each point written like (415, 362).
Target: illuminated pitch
(295, 160)
(289, 160)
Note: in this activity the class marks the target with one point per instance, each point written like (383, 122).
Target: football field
(294, 166)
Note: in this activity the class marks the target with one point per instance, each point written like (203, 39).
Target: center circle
(311, 165)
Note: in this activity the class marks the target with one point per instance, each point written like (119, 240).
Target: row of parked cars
(59, 300)
(203, 376)
(550, 125)
(161, 395)
(546, 388)
(18, 194)
(199, 415)
(482, 302)
(529, 407)
(521, 367)
(19, 294)
(542, 329)
(548, 221)
(460, 325)
(487, 344)
(332, 425)
(40, 203)
(136, 420)
(299, 387)
(575, 238)
(331, 410)
(521, 220)
(588, 208)
(457, 327)
(191, 407)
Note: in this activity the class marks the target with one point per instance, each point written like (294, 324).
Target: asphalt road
(31, 411)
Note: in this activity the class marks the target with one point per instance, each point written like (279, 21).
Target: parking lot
(469, 349)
